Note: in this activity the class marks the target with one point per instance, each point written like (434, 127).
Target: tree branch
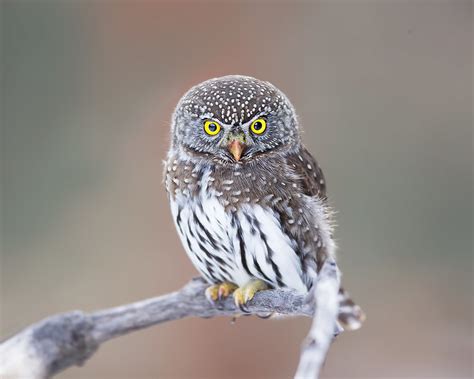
(58, 342)
(320, 335)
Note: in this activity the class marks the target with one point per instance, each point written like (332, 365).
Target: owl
(247, 198)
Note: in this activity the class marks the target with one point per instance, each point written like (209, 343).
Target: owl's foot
(244, 294)
(220, 291)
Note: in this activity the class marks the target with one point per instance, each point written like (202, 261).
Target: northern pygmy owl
(248, 199)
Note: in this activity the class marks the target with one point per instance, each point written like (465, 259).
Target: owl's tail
(350, 315)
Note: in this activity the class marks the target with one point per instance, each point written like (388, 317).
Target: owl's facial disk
(230, 143)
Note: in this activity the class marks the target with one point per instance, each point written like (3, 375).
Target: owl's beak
(236, 148)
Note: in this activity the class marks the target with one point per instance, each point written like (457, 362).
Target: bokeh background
(384, 91)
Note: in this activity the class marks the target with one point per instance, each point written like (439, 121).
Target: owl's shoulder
(309, 172)
(181, 176)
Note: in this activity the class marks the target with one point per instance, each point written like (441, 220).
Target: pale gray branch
(58, 342)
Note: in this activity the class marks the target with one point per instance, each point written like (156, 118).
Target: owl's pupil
(258, 125)
(212, 127)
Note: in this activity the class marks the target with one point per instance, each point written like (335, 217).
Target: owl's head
(234, 119)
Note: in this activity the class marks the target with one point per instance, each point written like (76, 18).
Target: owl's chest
(207, 235)
(235, 244)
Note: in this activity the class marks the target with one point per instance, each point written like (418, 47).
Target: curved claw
(243, 308)
(220, 291)
(244, 294)
(268, 315)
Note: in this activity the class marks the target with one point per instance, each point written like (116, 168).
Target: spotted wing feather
(313, 184)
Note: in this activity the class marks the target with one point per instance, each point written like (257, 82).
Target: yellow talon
(220, 291)
(244, 294)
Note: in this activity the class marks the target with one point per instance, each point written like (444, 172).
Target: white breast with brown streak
(235, 246)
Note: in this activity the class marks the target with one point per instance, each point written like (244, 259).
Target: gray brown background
(384, 91)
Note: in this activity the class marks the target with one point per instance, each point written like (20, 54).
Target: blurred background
(384, 92)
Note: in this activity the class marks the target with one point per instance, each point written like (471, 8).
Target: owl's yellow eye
(212, 128)
(258, 126)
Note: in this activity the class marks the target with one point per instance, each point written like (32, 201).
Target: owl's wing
(312, 177)
(305, 166)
